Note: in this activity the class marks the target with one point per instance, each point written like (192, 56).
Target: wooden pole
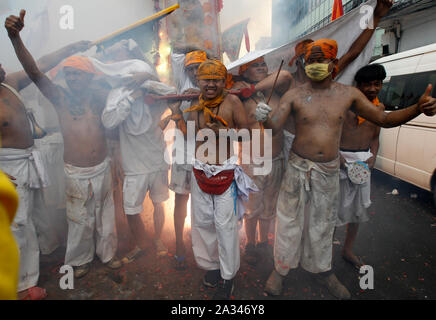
(137, 24)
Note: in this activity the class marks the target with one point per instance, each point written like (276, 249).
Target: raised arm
(363, 107)
(14, 25)
(20, 80)
(382, 8)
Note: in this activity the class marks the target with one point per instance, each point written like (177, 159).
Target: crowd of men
(322, 133)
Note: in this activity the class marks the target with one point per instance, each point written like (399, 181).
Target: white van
(409, 152)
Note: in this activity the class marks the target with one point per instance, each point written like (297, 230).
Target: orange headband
(195, 57)
(328, 47)
(245, 67)
(300, 49)
(80, 63)
(212, 69)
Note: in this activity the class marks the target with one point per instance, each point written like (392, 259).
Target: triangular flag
(338, 10)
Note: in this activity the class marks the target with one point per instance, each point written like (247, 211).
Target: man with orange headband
(214, 181)
(88, 177)
(18, 159)
(382, 8)
(261, 207)
(359, 148)
(309, 197)
(185, 68)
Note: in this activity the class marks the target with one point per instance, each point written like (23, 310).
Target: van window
(395, 92)
(383, 92)
(404, 91)
(417, 86)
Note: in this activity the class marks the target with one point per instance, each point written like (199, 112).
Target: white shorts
(136, 187)
(181, 178)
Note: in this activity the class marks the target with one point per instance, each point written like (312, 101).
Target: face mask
(318, 71)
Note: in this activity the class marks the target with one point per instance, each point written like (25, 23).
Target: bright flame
(188, 216)
(164, 53)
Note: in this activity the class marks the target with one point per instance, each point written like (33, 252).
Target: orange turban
(80, 63)
(212, 69)
(245, 67)
(195, 57)
(300, 49)
(328, 47)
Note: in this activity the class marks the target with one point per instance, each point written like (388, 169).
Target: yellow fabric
(9, 255)
(376, 102)
(206, 105)
(195, 57)
(245, 67)
(212, 69)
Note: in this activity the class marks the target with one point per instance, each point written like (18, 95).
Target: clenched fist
(262, 112)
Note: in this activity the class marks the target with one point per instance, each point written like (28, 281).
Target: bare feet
(34, 293)
(354, 260)
(274, 284)
(334, 286)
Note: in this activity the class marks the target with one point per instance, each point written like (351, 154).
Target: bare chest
(316, 110)
(222, 111)
(12, 111)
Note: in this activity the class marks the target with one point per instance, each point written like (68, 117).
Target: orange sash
(375, 102)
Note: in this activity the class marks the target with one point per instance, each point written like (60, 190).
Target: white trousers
(215, 238)
(90, 209)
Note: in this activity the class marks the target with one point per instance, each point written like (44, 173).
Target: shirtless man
(359, 142)
(88, 176)
(382, 8)
(309, 197)
(16, 147)
(215, 239)
(185, 68)
(261, 207)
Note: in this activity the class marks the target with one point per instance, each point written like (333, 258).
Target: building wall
(295, 18)
(418, 35)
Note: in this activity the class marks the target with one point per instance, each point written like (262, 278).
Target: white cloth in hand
(262, 112)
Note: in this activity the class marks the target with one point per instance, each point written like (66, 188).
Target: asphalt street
(399, 243)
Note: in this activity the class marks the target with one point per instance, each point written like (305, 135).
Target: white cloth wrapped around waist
(351, 190)
(244, 184)
(351, 157)
(38, 177)
(86, 173)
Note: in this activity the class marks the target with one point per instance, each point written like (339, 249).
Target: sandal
(180, 263)
(114, 264)
(132, 255)
(356, 265)
(35, 293)
(161, 249)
